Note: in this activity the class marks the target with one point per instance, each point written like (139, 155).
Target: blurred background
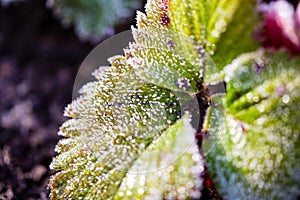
(42, 44)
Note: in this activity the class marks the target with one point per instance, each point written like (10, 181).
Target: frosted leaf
(161, 58)
(172, 162)
(93, 19)
(112, 123)
(134, 107)
(256, 156)
(163, 53)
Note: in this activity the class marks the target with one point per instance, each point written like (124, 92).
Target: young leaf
(113, 122)
(256, 155)
(174, 40)
(169, 168)
(130, 110)
(100, 148)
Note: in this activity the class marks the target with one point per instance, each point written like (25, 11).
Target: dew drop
(255, 99)
(261, 108)
(183, 83)
(237, 85)
(249, 96)
(121, 194)
(140, 191)
(286, 99)
(128, 193)
(215, 33)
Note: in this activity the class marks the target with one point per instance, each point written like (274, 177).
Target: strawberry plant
(151, 127)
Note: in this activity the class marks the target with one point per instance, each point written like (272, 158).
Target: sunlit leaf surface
(113, 122)
(168, 169)
(126, 138)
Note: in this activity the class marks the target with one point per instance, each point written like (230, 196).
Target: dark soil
(38, 63)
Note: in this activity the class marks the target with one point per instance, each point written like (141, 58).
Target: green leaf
(133, 109)
(113, 122)
(103, 141)
(239, 35)
(93, 18)
(175, 39)
(169, 168)
(257, 154)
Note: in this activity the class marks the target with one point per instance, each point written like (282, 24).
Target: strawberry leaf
(132, 111)
(94, 18)
(256, 155)
(175, 39)
(170, 168)
(113, 122)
